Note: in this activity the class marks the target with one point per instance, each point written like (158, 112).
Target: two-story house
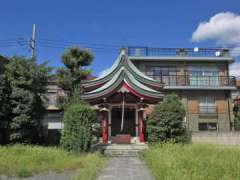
(126, 93)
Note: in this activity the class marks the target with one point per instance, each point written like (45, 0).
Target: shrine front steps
(126, 150)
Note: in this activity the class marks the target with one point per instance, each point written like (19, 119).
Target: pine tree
(75, 61)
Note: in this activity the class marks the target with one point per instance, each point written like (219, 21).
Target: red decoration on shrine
(125, 85)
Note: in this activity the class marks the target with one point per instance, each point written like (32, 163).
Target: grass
(24, 161)
(193, 162)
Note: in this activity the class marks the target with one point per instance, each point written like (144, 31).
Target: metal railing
(187, 80)
(186, 52)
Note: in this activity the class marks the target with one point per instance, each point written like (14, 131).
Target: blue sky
(127, 22)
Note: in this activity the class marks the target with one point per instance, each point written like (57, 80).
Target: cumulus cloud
(235, 69)
(224, 28)
(235, 52)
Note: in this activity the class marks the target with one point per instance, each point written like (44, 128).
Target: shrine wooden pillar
(104, 127)
(141, 126)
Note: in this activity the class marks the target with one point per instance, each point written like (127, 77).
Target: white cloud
(235, 69)
(235, 52)
(224, 28)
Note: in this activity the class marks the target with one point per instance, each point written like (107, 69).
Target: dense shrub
(77, 132)
(237, 120)
(166, 123)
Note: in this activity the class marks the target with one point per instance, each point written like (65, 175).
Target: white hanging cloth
(123, 107)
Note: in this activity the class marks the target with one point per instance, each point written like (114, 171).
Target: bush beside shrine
(77, 133)
(166, 123)
(237, 120)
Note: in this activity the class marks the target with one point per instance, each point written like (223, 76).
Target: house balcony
(196, 82)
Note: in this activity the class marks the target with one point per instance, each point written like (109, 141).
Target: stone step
(130, 150)
(126, 146)
(125, 153)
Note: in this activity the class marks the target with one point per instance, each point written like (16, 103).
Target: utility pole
(32, 43)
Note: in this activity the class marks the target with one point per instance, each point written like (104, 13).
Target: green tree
(77, 132)
(237, 120)
(75, 61)
(4, 102)
(78, 116)
(166, 123)
(28, 84)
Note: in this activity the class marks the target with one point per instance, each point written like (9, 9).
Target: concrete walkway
(125, 168)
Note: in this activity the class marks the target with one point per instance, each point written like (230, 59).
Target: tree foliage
(4, 103)
(237, 120)
(70, 76)
(28, 82)
(75, 61)
(77, 132)
(78, 117)
(4, 95)
(166, 123)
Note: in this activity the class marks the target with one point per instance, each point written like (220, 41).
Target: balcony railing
(186, 52)
(202, 81)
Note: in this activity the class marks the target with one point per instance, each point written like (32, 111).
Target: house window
(209, 126)
(203, 76)
(164, 74)
(207, 105)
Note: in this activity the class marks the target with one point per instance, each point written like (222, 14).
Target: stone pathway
(125, 168)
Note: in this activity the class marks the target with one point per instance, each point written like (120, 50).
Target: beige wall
(190, 99)
(192, 105)
(221, 138)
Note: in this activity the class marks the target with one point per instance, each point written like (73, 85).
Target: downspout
(229, 113)
(228, 95)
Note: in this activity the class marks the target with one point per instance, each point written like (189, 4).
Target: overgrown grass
(193, 162)
(23, 161)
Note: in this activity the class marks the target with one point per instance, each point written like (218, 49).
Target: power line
(59, 45)
(13, 42)
(82, 43)
(92, 49)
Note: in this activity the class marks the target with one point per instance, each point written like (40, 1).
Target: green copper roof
(117, 76)
(122, 61)
(123, 70)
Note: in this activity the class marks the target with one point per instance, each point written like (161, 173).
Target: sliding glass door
(203, 76)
